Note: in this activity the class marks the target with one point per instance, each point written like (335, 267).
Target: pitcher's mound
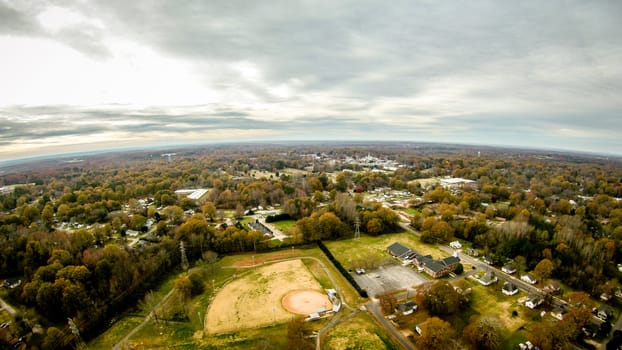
(305, 302)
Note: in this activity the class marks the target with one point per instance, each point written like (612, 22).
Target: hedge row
(278, 217)
(348, 276)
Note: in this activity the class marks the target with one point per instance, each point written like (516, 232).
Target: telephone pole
(357, 228)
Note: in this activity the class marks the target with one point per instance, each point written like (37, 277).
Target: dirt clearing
(254, 300)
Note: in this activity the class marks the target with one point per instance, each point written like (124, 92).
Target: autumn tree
(544, 269)
(388, 303)
(483, 332)
(442, 299)
(436, 334)
(55, 339)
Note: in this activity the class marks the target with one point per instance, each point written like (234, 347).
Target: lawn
(359, 332)
(490, 301)
(411, 211)
(115, 333)
(375, 247)
(284, 225)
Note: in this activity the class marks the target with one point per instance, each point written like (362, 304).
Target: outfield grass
(347, 251)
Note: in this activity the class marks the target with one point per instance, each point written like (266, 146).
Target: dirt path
(118, 345)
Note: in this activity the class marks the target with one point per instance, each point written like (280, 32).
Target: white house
(509, 269)
(488, 278)
(534, 301)
(529, 279)
(509, 289)
(455, 245)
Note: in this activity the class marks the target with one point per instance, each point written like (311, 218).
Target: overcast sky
(84, 75)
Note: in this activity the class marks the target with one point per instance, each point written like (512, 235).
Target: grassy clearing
(411, 211)
(350, 250)
(359, 332)
(491, 301)
(115, 333)
(284, 225)
(191, 335)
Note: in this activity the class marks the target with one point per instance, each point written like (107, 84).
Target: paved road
(480, 265)
(7, 307)
(374, 309)
(278, 234)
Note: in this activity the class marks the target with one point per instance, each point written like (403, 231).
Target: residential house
(604, 312)
(552, 288)
(509, 269)
(534, 301)
(455, 245)
(472, 252)
(488, 278)
(509, 288)
(529, 278)
(12, 283)
(406, 308)
(559, 312)
(606, 296)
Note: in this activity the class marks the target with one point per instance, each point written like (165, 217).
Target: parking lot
(388, 278)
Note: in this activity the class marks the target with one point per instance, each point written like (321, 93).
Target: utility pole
(357, 228)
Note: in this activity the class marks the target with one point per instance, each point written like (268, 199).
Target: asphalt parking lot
(388, 278)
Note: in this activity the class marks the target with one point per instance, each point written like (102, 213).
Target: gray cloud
(513, 73)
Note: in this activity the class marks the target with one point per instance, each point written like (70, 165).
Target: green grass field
(359, 332)
(411, 211)
(284, 225)
(190, 333)
(347, 251)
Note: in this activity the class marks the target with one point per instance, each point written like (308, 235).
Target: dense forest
(64, 226)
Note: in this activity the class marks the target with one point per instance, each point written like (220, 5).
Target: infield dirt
(254, 300)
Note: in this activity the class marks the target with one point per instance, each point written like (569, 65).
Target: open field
(115, 333)
(255, 299)
(359, 332)
(284, 225)
(191, 334)
(491, 301)
(351, 250)
(427, 181)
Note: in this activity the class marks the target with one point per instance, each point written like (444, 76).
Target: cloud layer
(82, 75)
